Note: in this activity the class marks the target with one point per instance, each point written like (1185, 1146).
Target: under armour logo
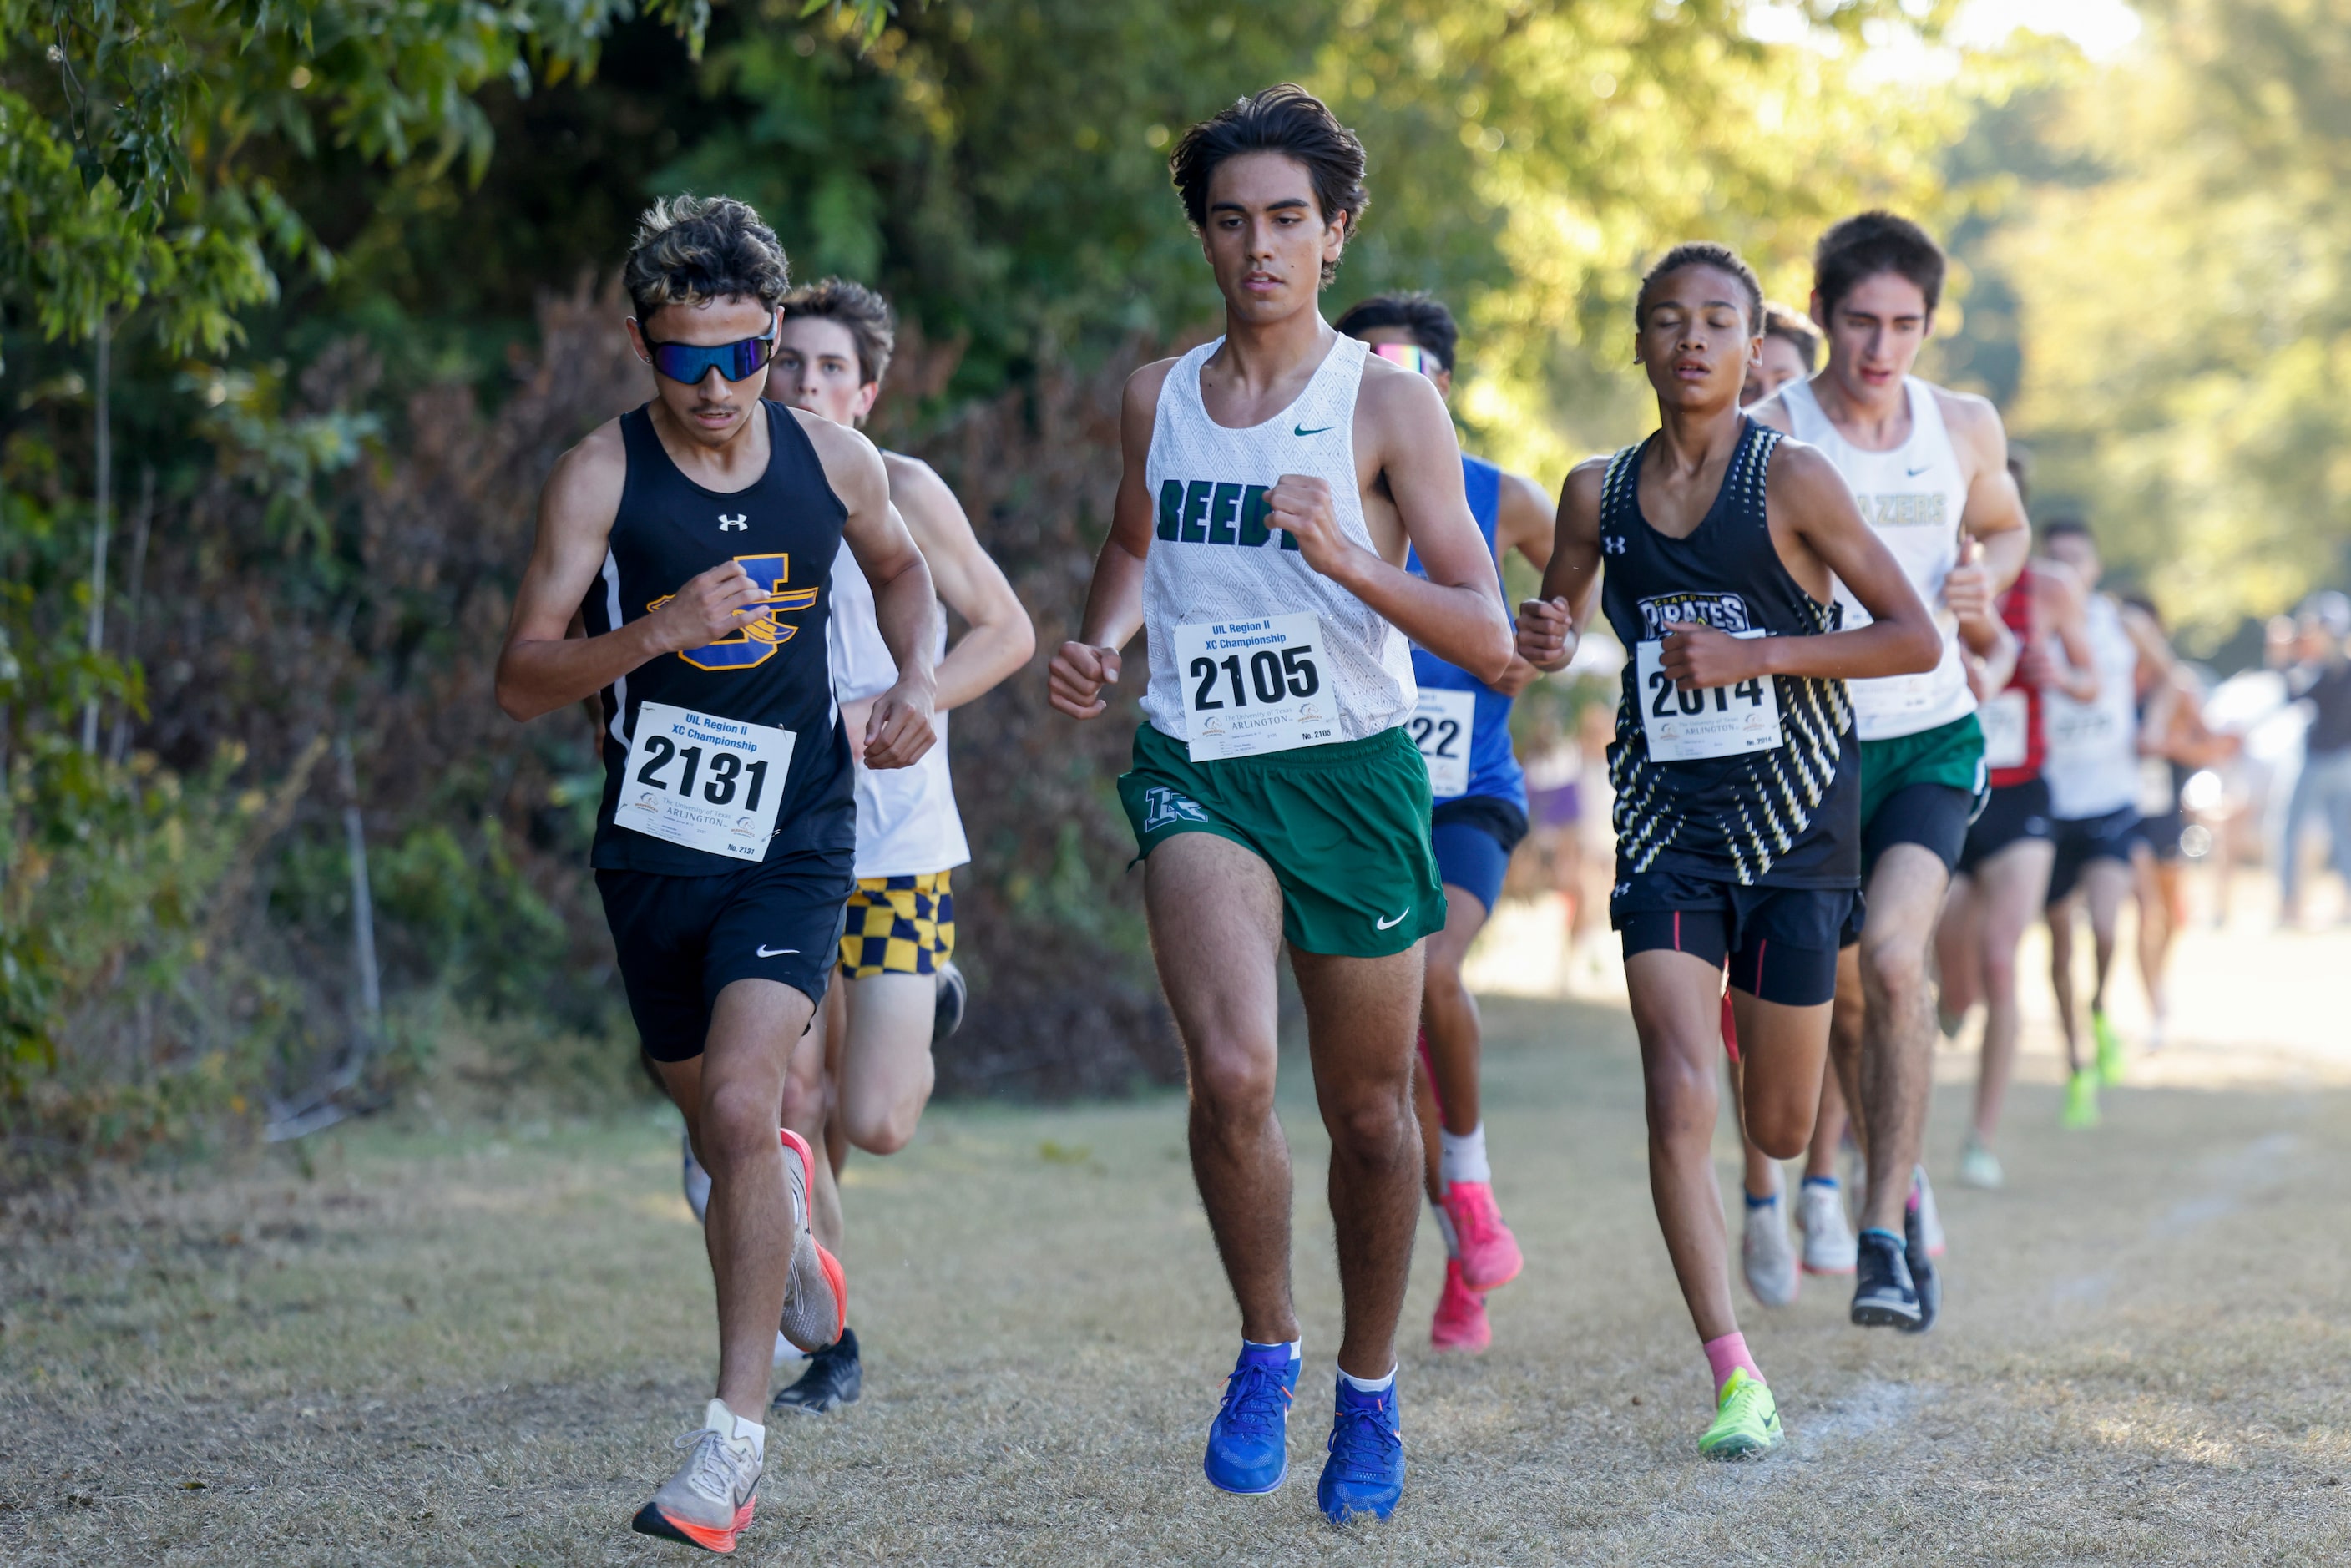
(1611, 544)
(742, 520)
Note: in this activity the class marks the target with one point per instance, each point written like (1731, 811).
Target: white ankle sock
(716, 1414)
(1368, 1385)
(1463, 1158)
(1296, 1347)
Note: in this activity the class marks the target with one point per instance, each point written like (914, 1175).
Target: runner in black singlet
(693, 538)
(1734, 766)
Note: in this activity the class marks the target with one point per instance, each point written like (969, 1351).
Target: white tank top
(2091, 748)
(1912, 499)
(1206, 483)
(907, 824)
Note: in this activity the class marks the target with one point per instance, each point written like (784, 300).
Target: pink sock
(1726, 1353)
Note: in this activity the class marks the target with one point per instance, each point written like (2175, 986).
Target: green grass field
(452, 1349)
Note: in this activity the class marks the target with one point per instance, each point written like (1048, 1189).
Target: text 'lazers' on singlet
(786, 530)
(1213, 557)
(1494, 771)
(1785, 817)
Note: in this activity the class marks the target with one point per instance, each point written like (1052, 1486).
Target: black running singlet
(785, 529)
(1782, 816)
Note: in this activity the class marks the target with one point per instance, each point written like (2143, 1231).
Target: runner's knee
(1366, 1121)
(1233, 1083)
(1679, 1089)
(737, 1124)
(887, 1127)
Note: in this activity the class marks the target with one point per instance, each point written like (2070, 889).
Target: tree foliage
(2186, 306)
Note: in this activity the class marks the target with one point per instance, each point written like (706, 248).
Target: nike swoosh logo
(1914, 473)
(1383, 924)
(1302, 430)
(778, 953)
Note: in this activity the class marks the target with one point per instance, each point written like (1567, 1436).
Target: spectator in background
(2321, 677)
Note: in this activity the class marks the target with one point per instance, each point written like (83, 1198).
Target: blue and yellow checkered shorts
(899, 925)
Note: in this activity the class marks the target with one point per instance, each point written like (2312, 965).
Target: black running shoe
(947, 1017)
(1883, 1295)
(834, 1377)
(1923, 1278)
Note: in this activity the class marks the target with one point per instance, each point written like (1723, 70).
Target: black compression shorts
(1933, 816)
(2015, 814)
(2087, 839)
(1779, 943)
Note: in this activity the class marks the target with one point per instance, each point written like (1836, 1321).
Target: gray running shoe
(1764, 1255)
(709, 1501)
(1930, 1220)
(946, 1014)
(816, 1297)
(1979, 1167)
(1828, 1235)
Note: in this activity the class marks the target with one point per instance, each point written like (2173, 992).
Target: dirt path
(443, 1350)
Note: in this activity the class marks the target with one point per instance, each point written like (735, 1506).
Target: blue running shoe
(1364, 1474)
(1248, 1442)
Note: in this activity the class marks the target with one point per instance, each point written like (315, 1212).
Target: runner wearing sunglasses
(697, 536)
(1463, 728)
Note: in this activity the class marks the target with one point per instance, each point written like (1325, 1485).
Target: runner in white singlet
(2092, 768)
(863, 1074)
(1929, 467)
(1274, 481)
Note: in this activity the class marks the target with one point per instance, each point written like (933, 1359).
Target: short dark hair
(1418, 311)
(1284, 119)
(1789, 327)
(865, 312)
(1701, 253)
(1862, 246)
(692, 248)
(2070, 523)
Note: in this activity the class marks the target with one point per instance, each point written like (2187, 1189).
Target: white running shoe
(1979, 1167)
(1764, 1255)
(698, 1180)
(1829, 1244)
(709, 1501)
(1930, 1220)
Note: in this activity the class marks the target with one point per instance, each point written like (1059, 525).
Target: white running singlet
(1214, 559)
(2092, 756)
(907, 824)
(1912, 499)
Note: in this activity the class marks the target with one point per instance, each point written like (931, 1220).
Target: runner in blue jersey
(1463, 729)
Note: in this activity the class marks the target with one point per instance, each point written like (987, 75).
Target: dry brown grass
(441, 1350)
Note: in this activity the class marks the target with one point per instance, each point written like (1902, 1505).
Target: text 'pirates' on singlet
(1912, 499)
(1782, 815)
(1215, 563)
(1462, 725)
(772, 676)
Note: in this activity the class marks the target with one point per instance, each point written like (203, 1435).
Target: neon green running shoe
(1746, 1420)
(2082, 1100)
(2110, 1048)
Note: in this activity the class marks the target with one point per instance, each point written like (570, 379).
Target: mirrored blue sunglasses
(690, 363)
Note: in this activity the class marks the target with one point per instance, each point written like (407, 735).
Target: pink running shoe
(1460, 1314)
(1489, 1253)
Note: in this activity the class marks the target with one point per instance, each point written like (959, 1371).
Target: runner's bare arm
(1089, 660)
(1456, 610)
(1551, 624)
(2059, 593)
(1000, 638)
(899, 729)
(1523, 522)
(540, 668)
(2155, 657)
(1807, 498)
(1994, 514)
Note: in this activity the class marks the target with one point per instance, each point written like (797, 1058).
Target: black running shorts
(1780, 943)
(2087, 839)
(2015, 814)
(684, 939)
(1932, 816)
